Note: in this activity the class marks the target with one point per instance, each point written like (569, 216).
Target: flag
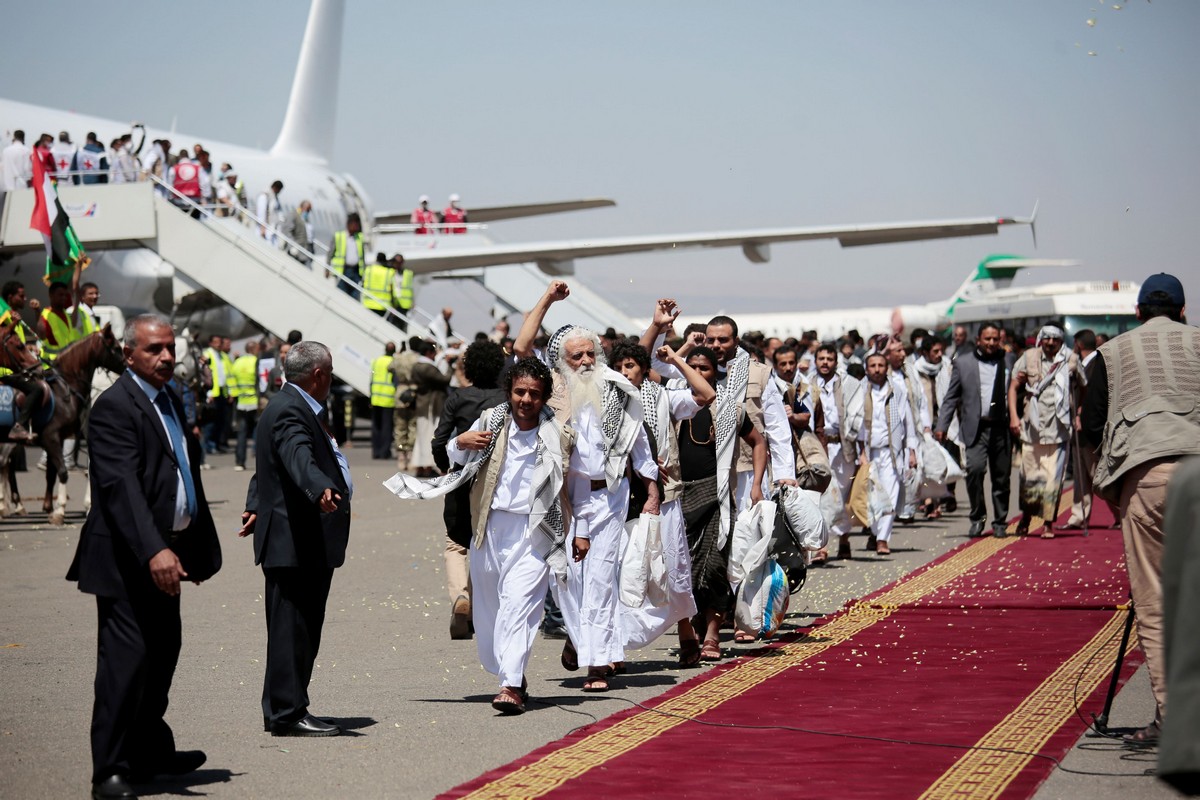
(63, 250)
(5, 312)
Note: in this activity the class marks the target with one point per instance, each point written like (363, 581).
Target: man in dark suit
(149, 528)
(977, 392)
(298, 508)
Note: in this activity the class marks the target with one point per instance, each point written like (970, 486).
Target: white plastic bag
(804, 517)
(833, 504)
(759, 583)
(643, 564)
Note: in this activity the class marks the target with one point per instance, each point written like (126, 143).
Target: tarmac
(415, 705)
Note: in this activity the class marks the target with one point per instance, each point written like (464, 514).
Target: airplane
(993, 275)
(137, 279)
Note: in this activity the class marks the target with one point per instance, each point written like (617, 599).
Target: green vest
(244, 385)
(405, 301)
(61, 331)
(377, 287)
(383, 390)
(338, 259)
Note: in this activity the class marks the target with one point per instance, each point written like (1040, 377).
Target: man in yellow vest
(244, 391)
(219, 399)
(383, 403)
(347, 255)
(403, 291)
(13, 294)
(57, 327)
(377, 282)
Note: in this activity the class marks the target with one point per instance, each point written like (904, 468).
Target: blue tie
(164, 405)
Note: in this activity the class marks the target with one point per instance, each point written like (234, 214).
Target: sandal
(509, 702)
(570, 658)
(744, 637)
(1145, 737)
(689, 652)
(819, 557)
(1048, 535)
(882, 549)
(711, 650)
(597, 680)
(617, 668)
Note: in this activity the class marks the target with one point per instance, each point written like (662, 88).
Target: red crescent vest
(187, 179)
(452, 215)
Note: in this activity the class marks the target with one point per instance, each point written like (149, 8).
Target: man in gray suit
(978, 381)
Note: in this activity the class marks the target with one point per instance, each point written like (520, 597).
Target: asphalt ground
(415, 705)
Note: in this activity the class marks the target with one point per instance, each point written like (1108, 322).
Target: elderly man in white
(605, 411)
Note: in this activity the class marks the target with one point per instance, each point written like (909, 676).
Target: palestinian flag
(63, 250)
(5, 313)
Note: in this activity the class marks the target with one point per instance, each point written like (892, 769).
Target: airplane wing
(493, 213)
(557, 256)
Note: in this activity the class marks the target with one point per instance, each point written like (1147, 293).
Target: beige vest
(484, 490)
(755, 384)
(1153, 391)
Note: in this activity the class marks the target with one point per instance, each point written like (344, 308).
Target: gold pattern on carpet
(556, 768)
(985, 773)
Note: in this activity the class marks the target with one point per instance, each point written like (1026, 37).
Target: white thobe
(589, 599)
(887, 451)
(508, 578)
(843, 470)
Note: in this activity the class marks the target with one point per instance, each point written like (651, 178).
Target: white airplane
(994, 274)
(137, 279)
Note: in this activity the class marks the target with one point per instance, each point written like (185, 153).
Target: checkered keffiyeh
(731, 393)
(546, 509)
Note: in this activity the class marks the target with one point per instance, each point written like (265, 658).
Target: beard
(583, 389)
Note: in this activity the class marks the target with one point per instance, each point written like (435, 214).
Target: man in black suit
(149, 528)
(298, 508)
(977, 393)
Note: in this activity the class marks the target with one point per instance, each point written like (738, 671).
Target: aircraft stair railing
(271, 287)
(290, 247)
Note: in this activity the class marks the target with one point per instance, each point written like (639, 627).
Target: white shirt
(514, 485)
(181, 519)
(879, 415)
(18, 169)
(829, 404)
(591, 449)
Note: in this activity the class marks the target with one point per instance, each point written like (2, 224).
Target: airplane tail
(997, 272)
(307, 131)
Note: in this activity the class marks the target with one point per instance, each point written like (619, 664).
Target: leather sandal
(882, 549)
(597, 680)
(1144, 737)
(710, 650)
(509, 702)
(570, 658)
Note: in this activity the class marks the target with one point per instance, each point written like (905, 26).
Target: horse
(71, 384)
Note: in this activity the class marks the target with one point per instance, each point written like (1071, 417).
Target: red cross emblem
(88, 163)
(62, 163)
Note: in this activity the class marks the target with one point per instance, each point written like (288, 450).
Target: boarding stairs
(227, 257)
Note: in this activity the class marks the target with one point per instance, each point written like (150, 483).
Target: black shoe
(181, 762)
(308, 726)
(976, 530)
(554, 632)
(112, 787)
(871, 542)
(949, 505)
(1000, 529)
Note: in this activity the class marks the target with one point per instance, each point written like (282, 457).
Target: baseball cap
(1165, 283)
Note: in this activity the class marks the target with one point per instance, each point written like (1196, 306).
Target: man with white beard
(605, 411)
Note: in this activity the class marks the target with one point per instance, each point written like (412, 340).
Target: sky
(706, 116)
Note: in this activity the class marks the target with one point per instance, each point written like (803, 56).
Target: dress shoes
(114, 786)
(976, 529)
(181, 762)
(306, 726)
(460, 618)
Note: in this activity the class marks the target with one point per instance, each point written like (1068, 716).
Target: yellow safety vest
(20, 329)
(377, 287)
(62, 332)
(405, 300)
(245, 383)
(383, 388)
(338, 259)
(221, 366)
(87, 323)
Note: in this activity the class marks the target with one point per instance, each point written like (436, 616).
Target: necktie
(177, 444)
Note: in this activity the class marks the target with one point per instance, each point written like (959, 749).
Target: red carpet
(988, 649)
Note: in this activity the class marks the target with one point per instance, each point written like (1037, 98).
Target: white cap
(423, 198)
(454, 198)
